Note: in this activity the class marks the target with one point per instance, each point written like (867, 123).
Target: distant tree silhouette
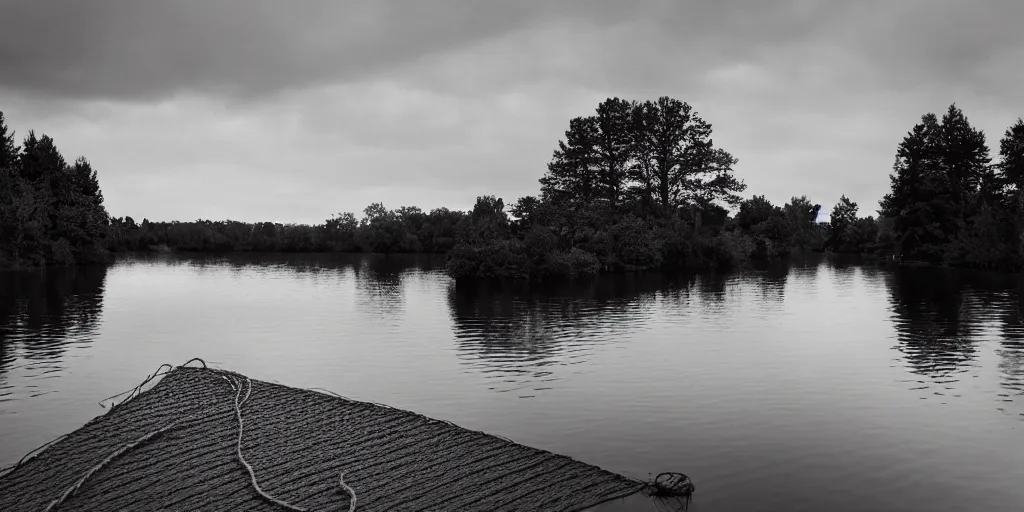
(635, 186)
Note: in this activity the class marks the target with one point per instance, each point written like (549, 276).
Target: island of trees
(635, 186)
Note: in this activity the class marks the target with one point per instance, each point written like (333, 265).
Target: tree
(8, 149)
(963, 155)
(841, 220)
(383, 232)
(487, 221)
(613, 147)
(675, 158)
(661, 152)
(802, 217)
(666, 131)
(801, 213)
(571, 176)
(754, 211)
(524, 210)
(50, 212)
(340, 232)
(1011, 165)
(1011, 176)
(914, 178)
(920, 200)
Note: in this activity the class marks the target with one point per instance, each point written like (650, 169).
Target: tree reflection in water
(43, 313)
(941, 316)
(518, 335)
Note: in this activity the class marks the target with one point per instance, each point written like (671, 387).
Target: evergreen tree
(613, 147)
(919, 199)
(963, 156)
(1011, 165)
(8, 150)
(1011, 176)
(913, 179)
(571, 176)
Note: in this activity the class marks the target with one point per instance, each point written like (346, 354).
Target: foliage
(51, 212)
(635, 186)
(948, 203)
(656, 154)
(405, 230)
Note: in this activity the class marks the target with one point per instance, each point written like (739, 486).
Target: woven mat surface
(297, 441)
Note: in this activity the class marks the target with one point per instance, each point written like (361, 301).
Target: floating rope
(670, 491)
(670, 485)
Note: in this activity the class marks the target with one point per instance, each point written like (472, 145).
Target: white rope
(351, 493)
(237, 386)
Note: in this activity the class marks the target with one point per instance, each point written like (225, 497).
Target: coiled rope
(239, 401)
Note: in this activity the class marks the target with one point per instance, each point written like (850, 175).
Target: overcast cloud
(292, 111)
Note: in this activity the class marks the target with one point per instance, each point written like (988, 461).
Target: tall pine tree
(571, 176)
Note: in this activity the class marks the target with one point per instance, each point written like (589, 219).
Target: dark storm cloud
(137, 49)
(131, 49)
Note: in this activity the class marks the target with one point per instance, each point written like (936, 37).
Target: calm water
(816, 386)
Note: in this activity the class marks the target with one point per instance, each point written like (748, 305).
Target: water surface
(821, 385)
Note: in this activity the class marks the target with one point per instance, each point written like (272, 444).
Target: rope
(71, 490)
(352, 493)
(390, 443)
(670, 485)
(669, 490)
(239, 401)
(164, 369)
(237, 387)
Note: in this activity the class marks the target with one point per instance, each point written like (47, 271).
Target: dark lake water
(820, 385)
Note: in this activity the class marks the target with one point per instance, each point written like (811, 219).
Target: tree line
(634, 186)
(405, 230)
(640, 185)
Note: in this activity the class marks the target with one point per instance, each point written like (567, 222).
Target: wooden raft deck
(297, 442)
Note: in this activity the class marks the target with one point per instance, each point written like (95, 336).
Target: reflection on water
(791, 386)
(942, 317)
(42, 314)
(518, 335)
(379, 289)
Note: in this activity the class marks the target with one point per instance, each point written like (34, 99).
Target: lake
(822, 384)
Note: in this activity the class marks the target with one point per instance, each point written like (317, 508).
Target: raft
(209, 439)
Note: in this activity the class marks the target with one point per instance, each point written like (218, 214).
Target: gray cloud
(125, 49)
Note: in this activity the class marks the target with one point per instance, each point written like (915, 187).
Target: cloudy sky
(292, 111)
